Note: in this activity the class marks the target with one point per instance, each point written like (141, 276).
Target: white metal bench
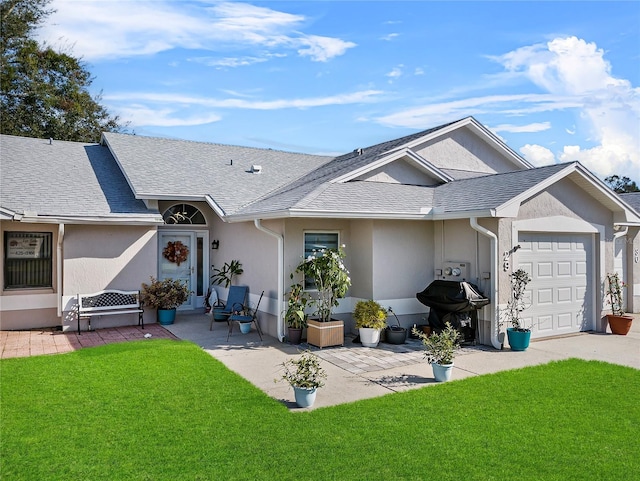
(109, 303)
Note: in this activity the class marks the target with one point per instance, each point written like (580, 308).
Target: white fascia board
(483, 131)
(428, 214)
(111, 220)
(6, 214)
(215, 206)
(463, 214)
(327, 214)
(421, 162)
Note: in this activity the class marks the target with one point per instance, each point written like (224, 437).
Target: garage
(561, 291)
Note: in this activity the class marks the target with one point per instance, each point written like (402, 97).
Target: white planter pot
(304, 397)
(369, 337)
(442, 372)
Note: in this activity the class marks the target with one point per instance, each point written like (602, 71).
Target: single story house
(101, 215)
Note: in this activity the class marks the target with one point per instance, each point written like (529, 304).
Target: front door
(178, 251)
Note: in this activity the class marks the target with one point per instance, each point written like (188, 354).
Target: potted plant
(518, 334)
(224, 275)
(618, 322)
(326, 269)
(370, 319)
(165, 295)
(305, 375)
(295, 315)
(396, 334)
(440, 350)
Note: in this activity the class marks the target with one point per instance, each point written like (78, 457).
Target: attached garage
(562, 291)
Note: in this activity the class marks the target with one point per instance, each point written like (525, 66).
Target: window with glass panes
(316, 241)
(28, 260)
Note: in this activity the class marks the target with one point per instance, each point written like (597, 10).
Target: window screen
(28, 259)
(317, 241)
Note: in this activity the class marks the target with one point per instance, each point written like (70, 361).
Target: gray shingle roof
(165, 168)
(490, 191)
(63, 179)
(379, 198)
(633, 199)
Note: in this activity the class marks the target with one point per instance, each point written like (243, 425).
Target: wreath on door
(176, 252)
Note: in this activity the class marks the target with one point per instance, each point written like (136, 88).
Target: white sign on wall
(23, 247)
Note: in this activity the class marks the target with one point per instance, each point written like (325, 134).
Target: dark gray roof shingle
(63, 179)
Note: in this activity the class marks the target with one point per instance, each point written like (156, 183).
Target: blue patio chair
(235, 303)
(246, 318)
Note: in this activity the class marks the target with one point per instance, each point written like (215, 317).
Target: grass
(166, 410)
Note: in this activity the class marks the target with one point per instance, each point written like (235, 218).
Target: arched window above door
(183, 214)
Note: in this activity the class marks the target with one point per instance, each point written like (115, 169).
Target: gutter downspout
(280, 237)
(616, 235)
(495, 341)
(59, 267)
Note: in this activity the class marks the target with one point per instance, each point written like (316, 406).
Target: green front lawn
(166, 410)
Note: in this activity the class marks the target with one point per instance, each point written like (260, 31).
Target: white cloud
(389, 37)
(100, 29)
(418, 71)
(163, 117)
(321, 49)
(395, 73)
(573, 76)
(148, 108)
(534, 127)
(537, 154)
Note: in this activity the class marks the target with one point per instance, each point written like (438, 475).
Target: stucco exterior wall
(468, 150)
(399, 172)
(98, 257)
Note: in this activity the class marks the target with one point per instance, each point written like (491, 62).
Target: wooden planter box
(324, 334)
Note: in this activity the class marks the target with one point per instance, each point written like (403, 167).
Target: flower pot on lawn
(518, 339)
(166, 316)
(619, 324)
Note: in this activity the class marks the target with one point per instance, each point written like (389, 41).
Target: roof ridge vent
(256, 169)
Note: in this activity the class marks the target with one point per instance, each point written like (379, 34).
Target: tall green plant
(297, 299)
(614, 291)
(517, 301)
(227, 272)
(325, 267)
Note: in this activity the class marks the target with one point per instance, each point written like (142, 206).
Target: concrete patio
(356, 372)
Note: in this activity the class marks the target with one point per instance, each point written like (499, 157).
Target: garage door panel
(560, 269)
(545, 270)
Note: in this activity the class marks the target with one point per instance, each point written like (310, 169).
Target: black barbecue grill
(454, 302)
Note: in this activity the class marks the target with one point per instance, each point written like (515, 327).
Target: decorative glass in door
(177, 260)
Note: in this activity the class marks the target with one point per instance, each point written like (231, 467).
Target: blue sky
(558, 81)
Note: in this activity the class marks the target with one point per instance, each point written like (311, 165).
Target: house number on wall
(635, 255)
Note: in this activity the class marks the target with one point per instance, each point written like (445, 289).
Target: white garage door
(561, 291)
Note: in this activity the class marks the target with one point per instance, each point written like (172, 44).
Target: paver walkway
(52, 341)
